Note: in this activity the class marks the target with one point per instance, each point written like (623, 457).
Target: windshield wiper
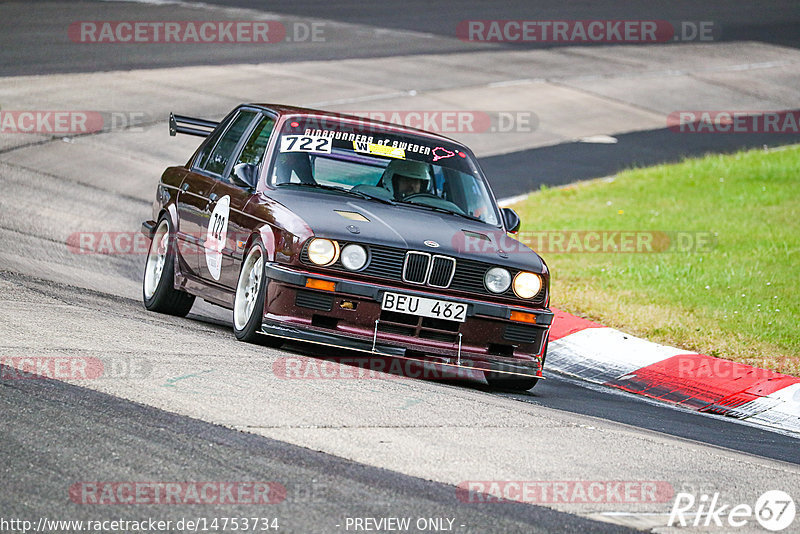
(314, 185)
(362, 194)
(445, 210)
(359, 194)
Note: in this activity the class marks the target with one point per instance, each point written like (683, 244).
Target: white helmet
(399, 169)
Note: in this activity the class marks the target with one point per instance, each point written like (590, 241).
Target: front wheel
(510, 382)
(515, 382)
(248, 305)
(158, 285)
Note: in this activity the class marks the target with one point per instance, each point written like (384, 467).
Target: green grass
(738, 300)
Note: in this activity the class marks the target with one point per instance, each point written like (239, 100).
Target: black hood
(332, 215)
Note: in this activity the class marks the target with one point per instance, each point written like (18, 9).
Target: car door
(203, 213)
(236, 192)
(191, 203)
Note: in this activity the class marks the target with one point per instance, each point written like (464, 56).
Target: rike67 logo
(774, 510)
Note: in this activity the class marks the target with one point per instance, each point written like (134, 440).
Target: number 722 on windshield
(306, 143)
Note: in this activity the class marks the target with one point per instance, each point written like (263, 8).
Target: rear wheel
(248, 305)
(158, 285)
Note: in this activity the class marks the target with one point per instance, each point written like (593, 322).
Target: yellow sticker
(379, 150)
(352, 215)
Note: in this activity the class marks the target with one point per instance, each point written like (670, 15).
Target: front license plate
(437, 309)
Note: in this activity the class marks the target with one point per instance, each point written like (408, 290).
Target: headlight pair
(526, 285)
(326, 251)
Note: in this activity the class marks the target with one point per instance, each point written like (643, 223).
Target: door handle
(211, 199)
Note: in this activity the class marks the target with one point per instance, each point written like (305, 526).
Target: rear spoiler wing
(190, 126)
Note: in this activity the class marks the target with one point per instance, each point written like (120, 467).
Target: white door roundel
(216, 234)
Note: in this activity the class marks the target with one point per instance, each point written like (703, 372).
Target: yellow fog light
(527, 285)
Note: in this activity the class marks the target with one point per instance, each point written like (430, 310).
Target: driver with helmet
(406, 178)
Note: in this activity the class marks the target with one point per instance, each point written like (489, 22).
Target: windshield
(382, 165)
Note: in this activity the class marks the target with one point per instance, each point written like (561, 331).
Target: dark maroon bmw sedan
(352, 233)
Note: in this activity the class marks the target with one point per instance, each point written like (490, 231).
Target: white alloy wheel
(248, 287)
(156, 258)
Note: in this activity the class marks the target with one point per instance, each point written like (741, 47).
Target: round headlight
(527, 285)
(323, 251)
(497, 280)
(354, 257)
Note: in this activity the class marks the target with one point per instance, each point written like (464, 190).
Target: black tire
(163, 297)
(515, 382)
(247, 323)
(510, 382)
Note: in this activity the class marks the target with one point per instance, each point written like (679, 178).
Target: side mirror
(511, 220)
(245, 175)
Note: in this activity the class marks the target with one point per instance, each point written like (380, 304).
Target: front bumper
(350, 317)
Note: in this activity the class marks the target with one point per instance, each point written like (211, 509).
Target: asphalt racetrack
(189, 403)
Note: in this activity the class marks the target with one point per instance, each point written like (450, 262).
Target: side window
(209, 146)
(219, 157)
(256, 146)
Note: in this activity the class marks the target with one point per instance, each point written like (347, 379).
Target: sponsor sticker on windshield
(306, 143)
(379, 150)
(441, 153)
